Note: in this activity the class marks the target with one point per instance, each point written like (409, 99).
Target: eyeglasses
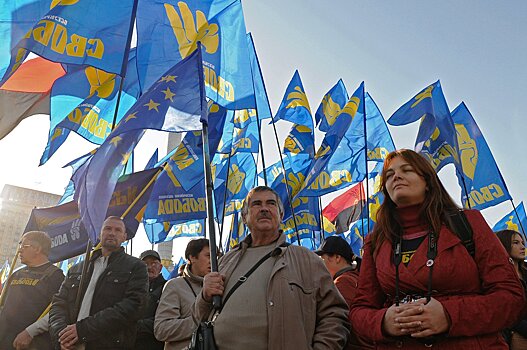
(23, 246)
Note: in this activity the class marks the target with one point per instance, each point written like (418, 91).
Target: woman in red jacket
(419, 286)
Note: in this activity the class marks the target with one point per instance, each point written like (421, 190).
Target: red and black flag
(346, 208)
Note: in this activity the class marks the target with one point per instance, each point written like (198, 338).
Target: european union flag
(174, 103)
(295, 106)
(84, 101)
(379, 139)
(331, 106)
(515, 220)
(79, 32)
(168, 31)
(260, 94)
(341, 159)
(436, 138)
(158, 232)
(481, 176)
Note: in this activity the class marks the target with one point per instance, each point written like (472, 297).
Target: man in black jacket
(28, 294)
(145, 326)
(113, 297)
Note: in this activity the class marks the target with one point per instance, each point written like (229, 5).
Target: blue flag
(16, 19)
(168, 31)
(301, 139)
(295, 106)
(79, 32)
(175, 271)
(174, 103)
(65, 228)
(355, 236)
(379, 139)
(306, 216)
(481, 175)
(331, 106)
(237, 233)
(153, 160)
(126, 191)
(235, 176)
(84, 101)
(95, 180)
(220, 127)
(262, 101)
(515, 220)
(436, 138)
(341, 159)
(171, 202)
(158, 232)
(245, 134)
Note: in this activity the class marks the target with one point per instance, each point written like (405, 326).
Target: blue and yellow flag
(237, 232)
(331, 106)
(16, 19)
(179, 192)
(220, 128)
(436, 138)
(235, 176)
(515, 220)
(79, 32)
(245, 137)
(481, 176)
(158, 232)
(301, 140)
(306, 217)
(261, 99)
(153, 160)
(379, 139)
(295, 106)
(168, 31)
(341, 158)
(84, 101)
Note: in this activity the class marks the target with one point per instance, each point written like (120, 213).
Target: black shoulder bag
(203, 336)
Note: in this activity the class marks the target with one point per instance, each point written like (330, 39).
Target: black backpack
(459, 224)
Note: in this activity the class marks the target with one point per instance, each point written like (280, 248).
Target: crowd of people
(431, 275)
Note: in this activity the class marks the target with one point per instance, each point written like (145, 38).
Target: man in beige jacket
(288, 302)
(173, 323)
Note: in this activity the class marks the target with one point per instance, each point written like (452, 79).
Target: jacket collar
(98, 253)
(194, 278)
(278, 244)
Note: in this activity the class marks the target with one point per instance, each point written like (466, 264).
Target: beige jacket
(305, 309)
(173, 323)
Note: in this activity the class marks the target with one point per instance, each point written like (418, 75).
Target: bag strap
(190, 286)
(459, 223)
(242, 279)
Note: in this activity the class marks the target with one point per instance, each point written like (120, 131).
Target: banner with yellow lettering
(78, 32)
(480, 177)
(295, 106)
(84, 101)
(158, 232)
(168, 31)
(16, 19)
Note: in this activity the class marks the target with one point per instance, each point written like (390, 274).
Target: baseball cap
(151, 253)
(336, 245)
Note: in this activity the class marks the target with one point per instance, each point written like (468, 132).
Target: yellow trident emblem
(188, 32)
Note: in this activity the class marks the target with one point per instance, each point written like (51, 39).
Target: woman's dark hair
(195, 246)
(434, 209)
(505, 237)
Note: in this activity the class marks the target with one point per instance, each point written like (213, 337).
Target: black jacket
(118, 303)
(145, 327)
